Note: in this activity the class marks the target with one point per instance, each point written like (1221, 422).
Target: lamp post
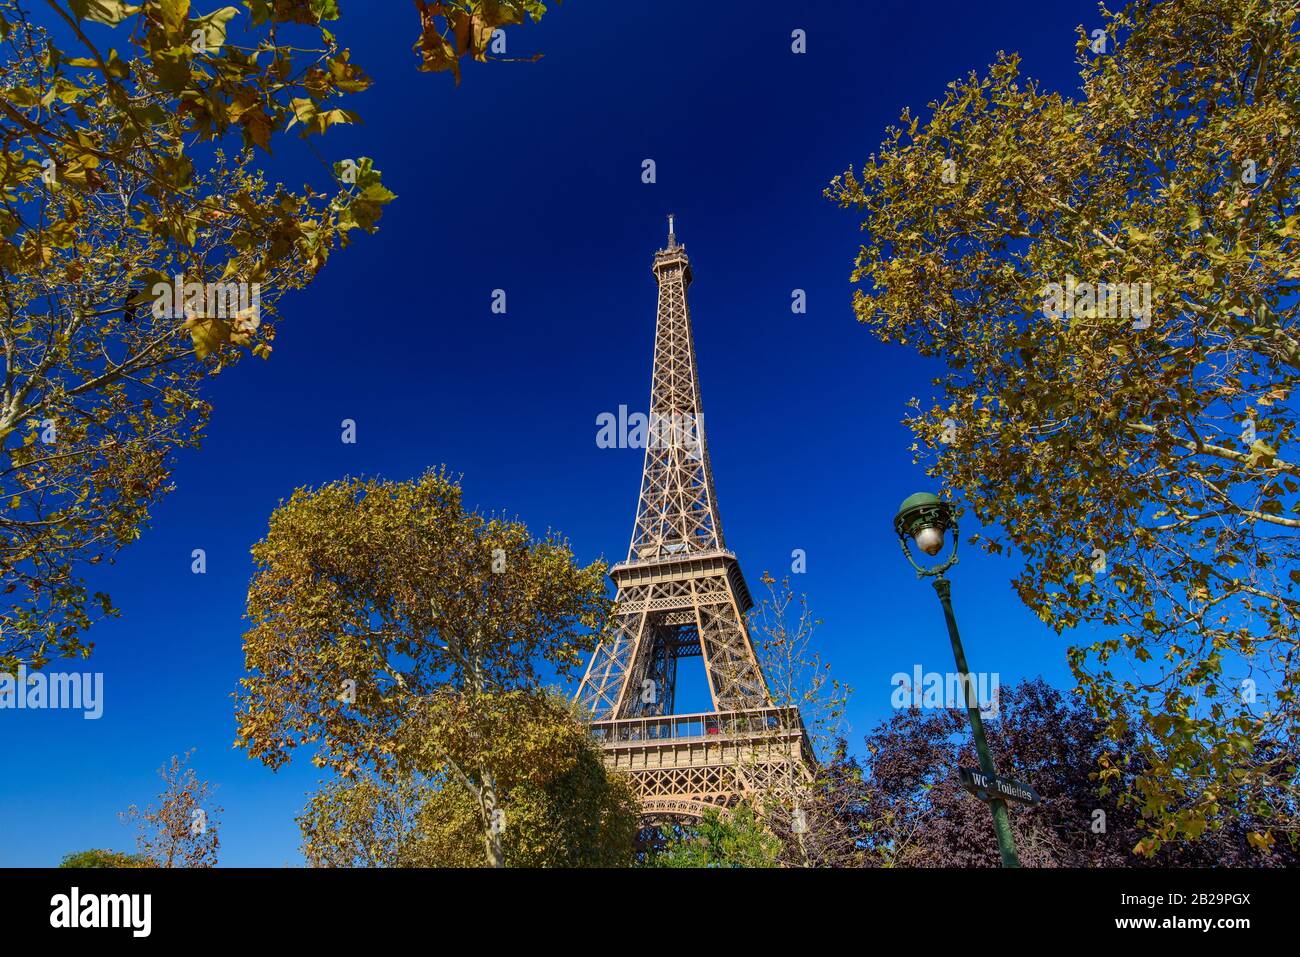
(925, 519)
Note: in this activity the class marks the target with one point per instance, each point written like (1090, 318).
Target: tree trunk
(491, 833)
(496, 856)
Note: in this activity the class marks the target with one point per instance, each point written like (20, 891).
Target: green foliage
(390, 586)
(363, 822)
(737, 839)
(453, 29)
(1139, 464)
(561, 807)
(126, 162)
(103, 857)
(108, 197)
(401, 633)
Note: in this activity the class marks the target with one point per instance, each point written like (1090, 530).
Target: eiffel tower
(681, 594)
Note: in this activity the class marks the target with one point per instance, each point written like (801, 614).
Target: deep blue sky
(527, 178)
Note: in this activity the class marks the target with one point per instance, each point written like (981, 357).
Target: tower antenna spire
(672, 237)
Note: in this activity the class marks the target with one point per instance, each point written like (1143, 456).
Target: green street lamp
(926, 520)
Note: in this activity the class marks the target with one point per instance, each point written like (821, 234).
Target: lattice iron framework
(681, 593)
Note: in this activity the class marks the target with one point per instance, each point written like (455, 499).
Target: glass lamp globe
(929, 539)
